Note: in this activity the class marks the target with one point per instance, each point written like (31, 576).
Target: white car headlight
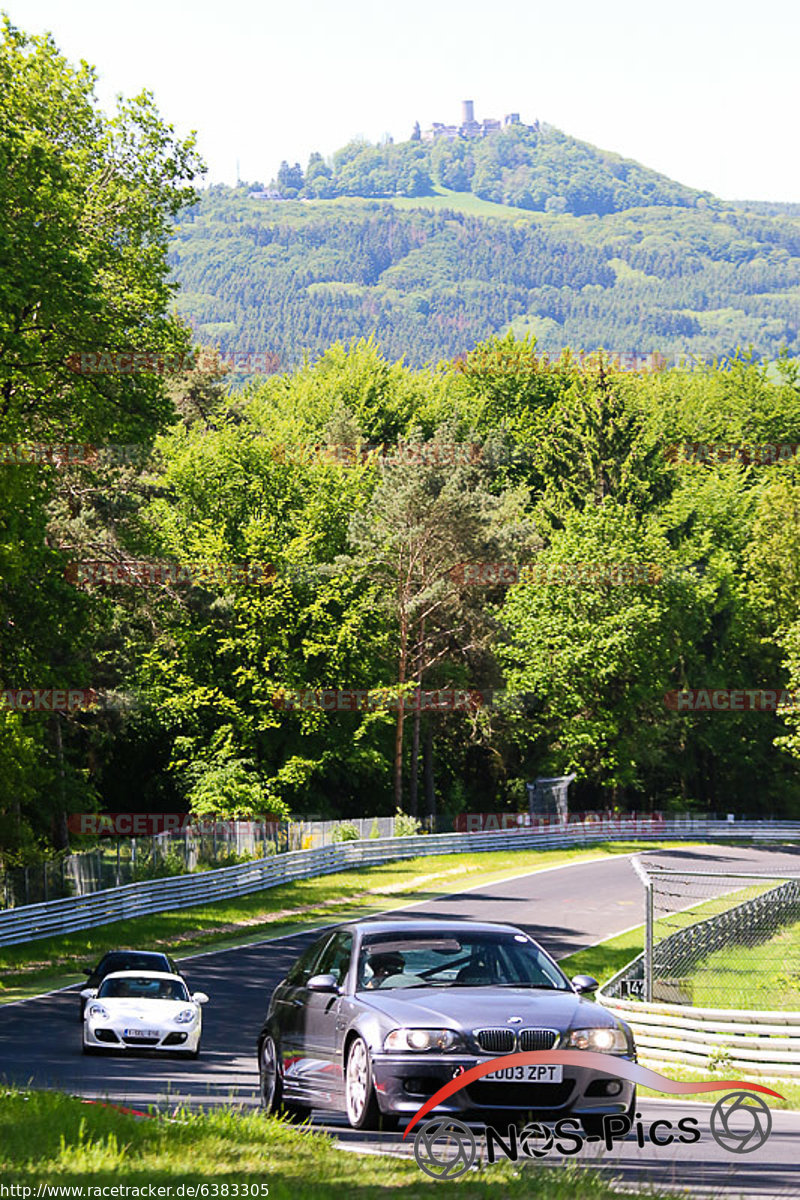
(421, 1039)
(97, 1010)
(185, 1016)
(607, 1040)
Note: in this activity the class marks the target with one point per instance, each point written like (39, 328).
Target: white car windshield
(468, 959)
(142, 988)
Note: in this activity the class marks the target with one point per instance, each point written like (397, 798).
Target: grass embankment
(444, 200)
(48, 1138)
(765, 976)
(56, 962)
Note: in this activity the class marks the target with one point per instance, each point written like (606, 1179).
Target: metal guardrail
(668, 1035)
(35, 921)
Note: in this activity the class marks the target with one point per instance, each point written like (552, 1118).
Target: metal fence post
(648, 941)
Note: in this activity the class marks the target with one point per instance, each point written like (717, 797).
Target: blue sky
(706, 91)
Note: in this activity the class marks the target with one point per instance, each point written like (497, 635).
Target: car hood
(471, 1008)
(152, 1012)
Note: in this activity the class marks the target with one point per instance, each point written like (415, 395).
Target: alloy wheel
(357, 1083)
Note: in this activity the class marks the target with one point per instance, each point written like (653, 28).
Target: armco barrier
(670, 1035)
(34, 921)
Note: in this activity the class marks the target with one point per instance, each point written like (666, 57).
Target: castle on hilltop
(470, 128)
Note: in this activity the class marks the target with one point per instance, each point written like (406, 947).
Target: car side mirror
(87, 970)
(584, 984)
(323, 983)
(89, 993)
(200, 997)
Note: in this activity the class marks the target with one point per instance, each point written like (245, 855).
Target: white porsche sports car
(142, 1010)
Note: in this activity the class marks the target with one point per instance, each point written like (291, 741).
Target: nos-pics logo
(446, 1148)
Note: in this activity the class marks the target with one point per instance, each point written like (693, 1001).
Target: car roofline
(144, 975)
(449, 925)
(133, 950)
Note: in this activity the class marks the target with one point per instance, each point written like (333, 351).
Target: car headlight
(421, 1039)
(185, 1016)
(608, 1040)
(97, 1010)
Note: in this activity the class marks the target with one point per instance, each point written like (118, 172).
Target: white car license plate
(141, 1033)
(532, 1073)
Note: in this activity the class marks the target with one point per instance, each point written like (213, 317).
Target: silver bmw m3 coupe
(377, 1015)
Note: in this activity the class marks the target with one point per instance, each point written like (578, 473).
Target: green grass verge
(444, 199)
(764, 976)
(39, 966)
(48, 1138)
(788, 1088)
(604, 960)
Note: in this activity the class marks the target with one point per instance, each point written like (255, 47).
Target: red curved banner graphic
(608, 1064)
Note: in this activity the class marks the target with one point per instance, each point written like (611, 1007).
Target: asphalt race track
(566, 909)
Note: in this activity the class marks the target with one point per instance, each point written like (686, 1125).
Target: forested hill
(432, 274)
(540, 169)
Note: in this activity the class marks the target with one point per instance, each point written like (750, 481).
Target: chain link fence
(121, 860)
(718, 940)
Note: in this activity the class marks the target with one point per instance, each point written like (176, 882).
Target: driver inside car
(386, 965)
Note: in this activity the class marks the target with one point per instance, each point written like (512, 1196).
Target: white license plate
(532, 1073)
(141, 1033)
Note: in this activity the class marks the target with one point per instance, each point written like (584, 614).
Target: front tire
(362, 1106)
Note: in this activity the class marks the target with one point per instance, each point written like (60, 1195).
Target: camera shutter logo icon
(740, 1122)
(444, 1148)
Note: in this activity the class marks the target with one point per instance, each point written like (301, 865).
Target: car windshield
(142, 988)
(132, 962)
(468, 959)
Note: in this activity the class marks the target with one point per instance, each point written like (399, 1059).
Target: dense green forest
(324, 516)
(429, 282)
